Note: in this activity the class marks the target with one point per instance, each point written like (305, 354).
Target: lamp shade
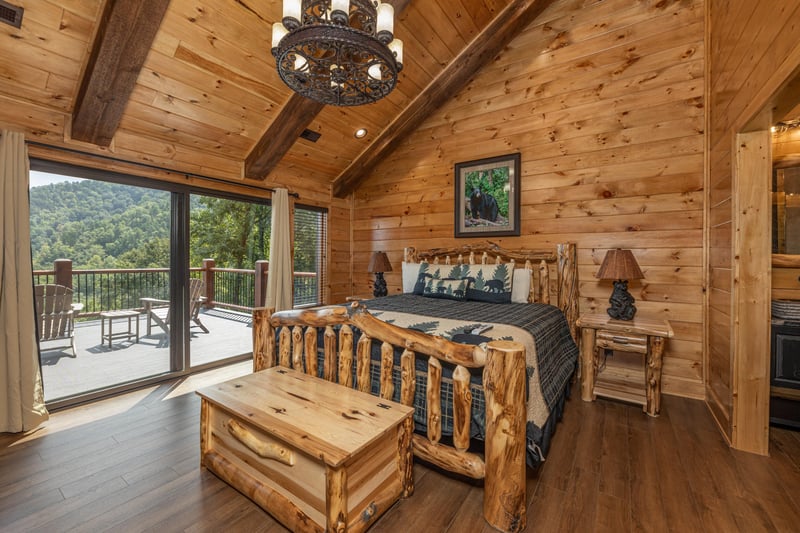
(619, 264)
(379, 263)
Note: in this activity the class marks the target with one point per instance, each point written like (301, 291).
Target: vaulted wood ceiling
(191, 86)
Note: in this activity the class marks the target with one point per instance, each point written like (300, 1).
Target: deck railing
(232, 288)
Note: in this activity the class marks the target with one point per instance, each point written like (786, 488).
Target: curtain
(21, 395)
(281, 279)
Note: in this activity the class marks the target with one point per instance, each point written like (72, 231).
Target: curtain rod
(155, 167)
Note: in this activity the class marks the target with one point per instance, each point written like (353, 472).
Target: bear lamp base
(621, 301)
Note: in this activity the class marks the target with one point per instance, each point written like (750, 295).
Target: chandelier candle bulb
(278, 32)
(396, 46)
(341, 5)
(292, 9)
(375, 72)
(385, 24)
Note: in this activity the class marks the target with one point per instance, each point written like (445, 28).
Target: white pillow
(410, 275)
(521, 285)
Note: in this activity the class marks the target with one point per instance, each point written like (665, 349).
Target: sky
(43, 178)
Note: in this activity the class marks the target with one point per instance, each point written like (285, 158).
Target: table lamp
(620, 266)
(378, 264)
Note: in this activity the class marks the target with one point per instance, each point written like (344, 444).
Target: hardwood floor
(131, 464)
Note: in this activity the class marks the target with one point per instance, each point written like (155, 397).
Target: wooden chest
(316, 455)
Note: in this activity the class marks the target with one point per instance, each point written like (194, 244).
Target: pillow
(449, 288)
(428, 271)
(410, 273)
(521, 285)
(490, 283)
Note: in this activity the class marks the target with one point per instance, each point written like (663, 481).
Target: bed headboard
(561, 260)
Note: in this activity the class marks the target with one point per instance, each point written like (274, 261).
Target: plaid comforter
(551, 355)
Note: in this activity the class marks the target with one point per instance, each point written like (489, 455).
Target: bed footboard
(503, 362)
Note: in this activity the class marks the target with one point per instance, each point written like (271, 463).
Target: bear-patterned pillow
(451, 289)
(429, 271)
(490, 283)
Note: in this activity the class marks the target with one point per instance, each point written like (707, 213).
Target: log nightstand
(635, 380)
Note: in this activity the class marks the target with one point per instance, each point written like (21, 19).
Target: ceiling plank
(125, 34)
(785, 106)
(399, 5)
(293, 118)
(482, 50)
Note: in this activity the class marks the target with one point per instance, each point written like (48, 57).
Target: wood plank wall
(605, 102)
(749, 41)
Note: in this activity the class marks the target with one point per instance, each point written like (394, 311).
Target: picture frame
(487, 197)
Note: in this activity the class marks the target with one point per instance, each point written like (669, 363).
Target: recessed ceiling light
(360, 133)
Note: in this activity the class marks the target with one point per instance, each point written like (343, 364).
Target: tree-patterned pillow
(428, 272)
(490, 283)
(451, 289)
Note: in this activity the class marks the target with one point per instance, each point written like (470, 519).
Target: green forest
(106, 225)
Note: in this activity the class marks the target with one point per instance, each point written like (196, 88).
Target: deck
(96, 366)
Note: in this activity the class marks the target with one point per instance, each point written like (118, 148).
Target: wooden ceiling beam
(293, 118)
(517, 15)
(298, 113)
(126, 32)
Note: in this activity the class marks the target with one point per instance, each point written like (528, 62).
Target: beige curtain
(280, 281)
(21, 398)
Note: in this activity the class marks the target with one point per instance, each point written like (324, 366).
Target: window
(310, 247)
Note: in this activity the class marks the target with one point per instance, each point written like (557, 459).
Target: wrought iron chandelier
(338, 52)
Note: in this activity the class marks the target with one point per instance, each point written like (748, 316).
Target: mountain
(99, 225)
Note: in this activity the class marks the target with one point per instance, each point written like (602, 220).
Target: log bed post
(263, 339)
(504, 383)
(568, 284)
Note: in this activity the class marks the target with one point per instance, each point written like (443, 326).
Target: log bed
(290, 338)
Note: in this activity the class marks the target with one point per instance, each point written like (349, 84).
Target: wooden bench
(315, 455)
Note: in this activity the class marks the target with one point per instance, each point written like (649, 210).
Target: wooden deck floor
(97, 366)
(131, 463)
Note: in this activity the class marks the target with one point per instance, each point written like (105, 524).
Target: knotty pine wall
(749, 43)
(605, 102)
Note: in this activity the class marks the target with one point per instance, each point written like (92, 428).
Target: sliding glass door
(163, 278)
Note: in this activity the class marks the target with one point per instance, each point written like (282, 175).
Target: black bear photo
(483, 205)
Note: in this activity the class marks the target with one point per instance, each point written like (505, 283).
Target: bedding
(551, 356)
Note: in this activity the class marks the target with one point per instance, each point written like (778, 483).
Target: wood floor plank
(696, 449)
(439, 492)
(614, 475)
(132, 464)
(580, 504)
(544, 512)
(680, 508)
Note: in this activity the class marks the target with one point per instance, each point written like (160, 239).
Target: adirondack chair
(55, 314)
(158, 311)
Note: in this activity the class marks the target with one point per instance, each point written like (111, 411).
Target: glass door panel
(108, 244)
(229, 246)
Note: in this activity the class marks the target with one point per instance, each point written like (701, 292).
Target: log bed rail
(502, 466)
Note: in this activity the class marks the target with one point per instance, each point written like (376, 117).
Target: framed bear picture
(487, 197)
